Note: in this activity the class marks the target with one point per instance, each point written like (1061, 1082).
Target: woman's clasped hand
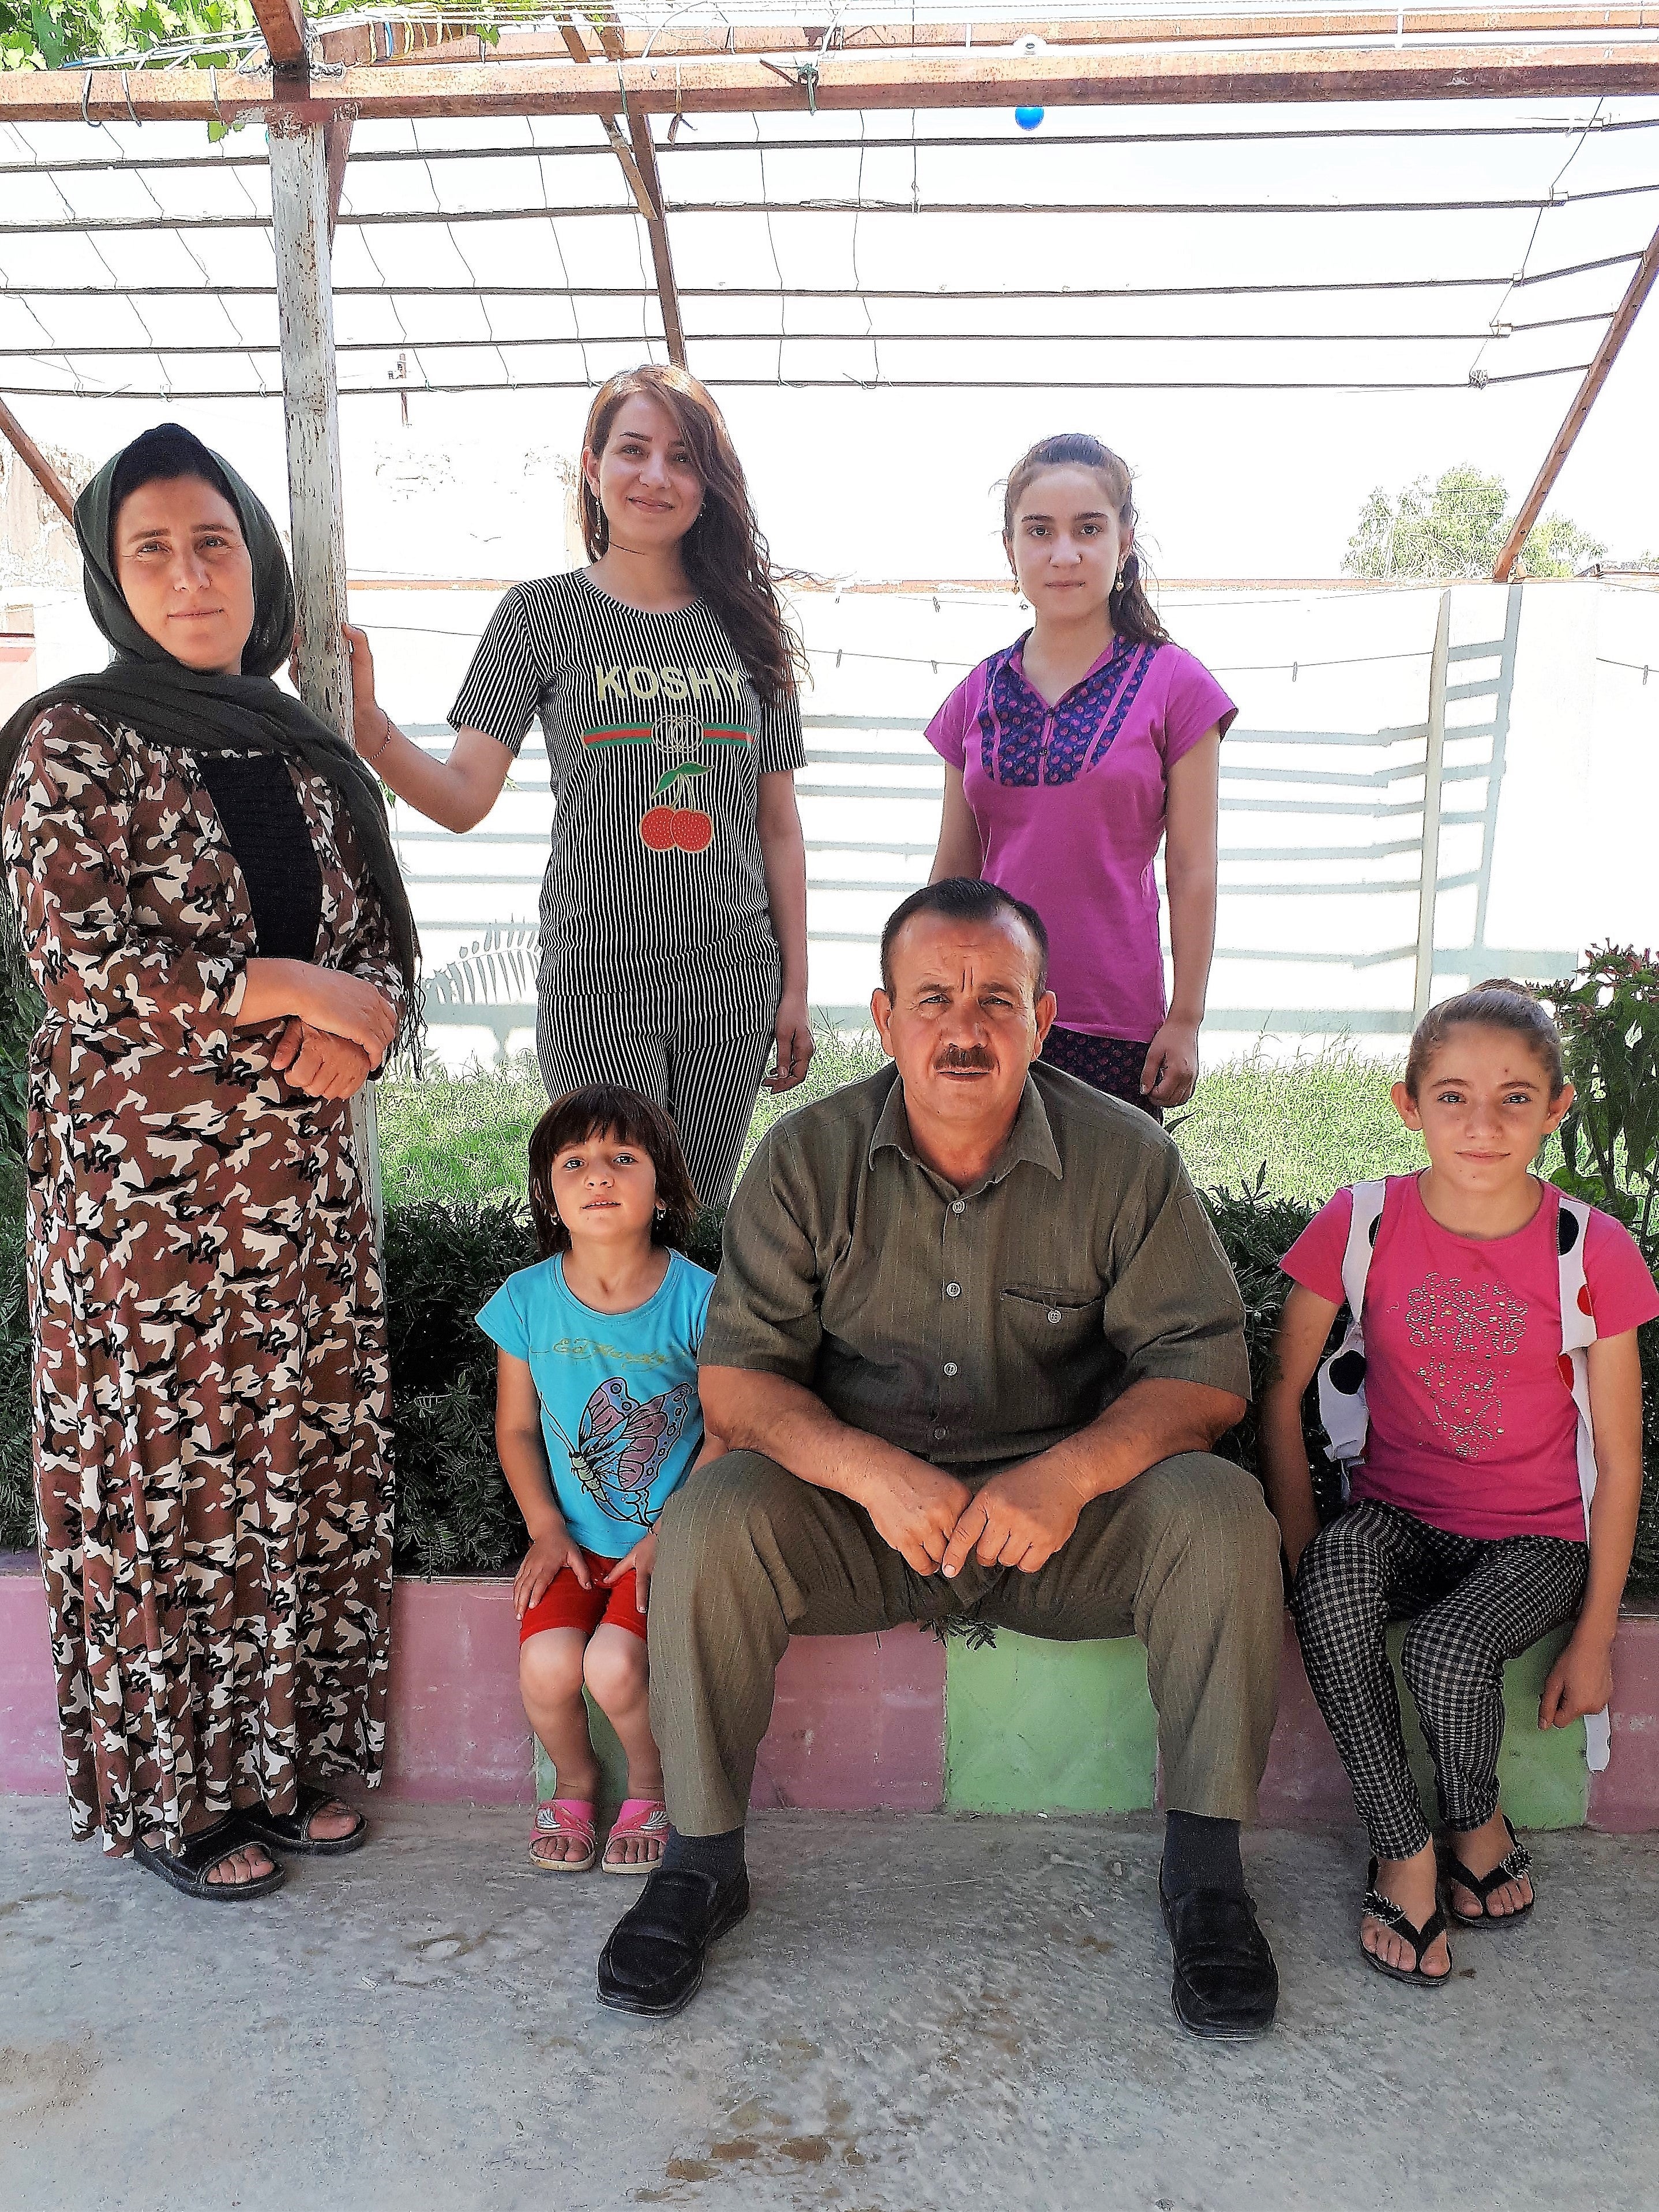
(338, 1028)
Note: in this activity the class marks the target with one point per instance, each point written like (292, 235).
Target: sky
(879, 484)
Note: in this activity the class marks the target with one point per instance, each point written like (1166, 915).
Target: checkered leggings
(1472, 1604)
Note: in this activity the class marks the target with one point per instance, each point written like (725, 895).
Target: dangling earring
(1118, 586)
(662, 1211)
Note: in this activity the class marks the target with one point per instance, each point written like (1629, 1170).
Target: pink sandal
(640, 1816)
(564, 1816)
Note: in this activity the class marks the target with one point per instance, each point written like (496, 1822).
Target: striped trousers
(707, 1084)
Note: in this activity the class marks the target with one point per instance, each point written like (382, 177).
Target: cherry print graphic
(665, 828)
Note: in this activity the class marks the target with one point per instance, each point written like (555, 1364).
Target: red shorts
(565, 1604)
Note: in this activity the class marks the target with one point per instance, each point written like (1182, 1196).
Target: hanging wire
(772, 243)
(472, 274)
(1537, 220)
(558, 249)
(858, 280)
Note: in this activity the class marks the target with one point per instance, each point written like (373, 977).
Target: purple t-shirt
(1070, 804)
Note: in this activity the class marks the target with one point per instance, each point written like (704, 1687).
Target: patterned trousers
(1472, 1604)
(1109, 1064)
(707, 1084)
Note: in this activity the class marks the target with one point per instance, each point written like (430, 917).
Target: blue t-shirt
(618, 1391)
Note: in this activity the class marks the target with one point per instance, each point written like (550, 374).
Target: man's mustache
(968, 1056)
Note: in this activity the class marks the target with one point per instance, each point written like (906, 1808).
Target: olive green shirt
(974, 1325)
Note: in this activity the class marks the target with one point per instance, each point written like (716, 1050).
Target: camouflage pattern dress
(211, 1410)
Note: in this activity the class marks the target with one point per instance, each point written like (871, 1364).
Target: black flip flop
(187, 1868)
(1515, 1862)
(289, 1832)
(1394, 1919)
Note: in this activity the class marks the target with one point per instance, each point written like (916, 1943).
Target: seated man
(972, 1338)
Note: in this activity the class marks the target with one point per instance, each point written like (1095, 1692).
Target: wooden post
(1434, 766)
(305, 313)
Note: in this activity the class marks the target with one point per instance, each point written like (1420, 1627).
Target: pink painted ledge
(858, 1724)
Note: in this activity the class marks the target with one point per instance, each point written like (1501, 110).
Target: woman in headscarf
(211, 908)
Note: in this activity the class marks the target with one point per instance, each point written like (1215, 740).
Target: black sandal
(1394, 1919)
(1515, 1862)
(291, 1831)
(187, 1868)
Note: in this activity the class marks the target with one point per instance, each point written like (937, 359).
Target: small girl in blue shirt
(596, 1424)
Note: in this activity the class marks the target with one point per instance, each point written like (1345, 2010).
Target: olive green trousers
(1185, 1556)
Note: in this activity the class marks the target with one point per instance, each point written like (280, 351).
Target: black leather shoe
(1225, 1981)
(653, 1962)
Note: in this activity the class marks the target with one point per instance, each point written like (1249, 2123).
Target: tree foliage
(48, 33)
(1456, 527)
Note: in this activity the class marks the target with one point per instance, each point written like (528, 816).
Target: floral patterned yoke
(212, 1447)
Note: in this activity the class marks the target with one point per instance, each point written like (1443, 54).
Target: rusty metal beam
(668, 297)
(36, 462)
(282, 26)
(680, 42)
(637, 154)
(336, 151)
(1169, 76)
(1647, 271)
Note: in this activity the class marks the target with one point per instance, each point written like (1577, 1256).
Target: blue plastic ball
(1027, 117)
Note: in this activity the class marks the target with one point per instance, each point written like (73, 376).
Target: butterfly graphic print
(621, 1445)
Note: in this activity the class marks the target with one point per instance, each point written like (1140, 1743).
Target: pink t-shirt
(1069, 802)
(1472, 1427)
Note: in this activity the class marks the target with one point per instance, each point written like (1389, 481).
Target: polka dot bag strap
(1342, 1376)
(1577, 1333)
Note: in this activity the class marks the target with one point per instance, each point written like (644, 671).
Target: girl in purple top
(1069, 755)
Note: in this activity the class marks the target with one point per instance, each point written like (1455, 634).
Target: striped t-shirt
(655, 894)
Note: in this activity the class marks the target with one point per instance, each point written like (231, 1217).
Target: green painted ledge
(1540, 1772)
(1035, 1727)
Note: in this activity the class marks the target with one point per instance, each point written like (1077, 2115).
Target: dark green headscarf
(168, 704)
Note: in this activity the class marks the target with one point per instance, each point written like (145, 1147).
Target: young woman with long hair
(673, 910)
(1070, 755)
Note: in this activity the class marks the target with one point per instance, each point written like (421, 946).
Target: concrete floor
(923, 2011)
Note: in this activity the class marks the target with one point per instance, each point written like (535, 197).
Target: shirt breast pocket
(1052, 1324)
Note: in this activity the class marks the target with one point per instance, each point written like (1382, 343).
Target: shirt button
(958, 1205)
(950, 1366)
(940, 1432)
(1054, 1313)
(953, 1290)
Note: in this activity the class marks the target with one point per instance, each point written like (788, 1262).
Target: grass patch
(458, 1138)
(1317, 1121)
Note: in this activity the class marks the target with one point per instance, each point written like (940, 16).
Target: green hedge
(455, 1513)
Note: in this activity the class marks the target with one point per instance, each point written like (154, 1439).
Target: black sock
(719, 1855)
(1200, 1853)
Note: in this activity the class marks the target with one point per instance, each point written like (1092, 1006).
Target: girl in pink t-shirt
(1070, 756)
(1493, 1450)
